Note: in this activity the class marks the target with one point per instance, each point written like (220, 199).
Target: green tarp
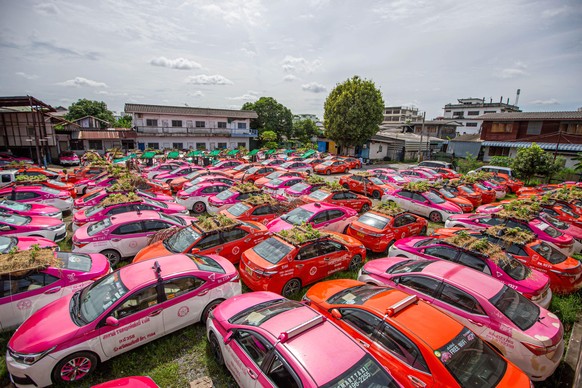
(308, 154)
(289, 151)
(215, 153)
(253, 152)
(148, 155)
(194, 153)
(121, 160)
(174, 155)
(233, 152)
(269, 152)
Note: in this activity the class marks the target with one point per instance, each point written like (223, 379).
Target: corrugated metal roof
(105, 135)
(511, 116)
(186, 110)
(476, 138)
(545, 146)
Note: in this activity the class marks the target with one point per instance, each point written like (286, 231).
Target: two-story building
(468, 111)
(557, 132)
(444, 129)
(183, 127)
(401, 114)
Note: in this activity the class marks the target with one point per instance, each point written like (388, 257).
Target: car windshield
(328, 163)
(14, 219)
(319, 195)
(467, 189)
(433, 197)
(554, 222)
(191, 175)
(472, 362)
(479, 185)
(180, 241)
(75, 261)
(356, 295)
(446, 193)
(365, 373)
(238, 209)
(286, 165)
(272, 250)
(297, 216)
(299, 187)
(409, 266)
(520, 310)
(99, 296)
(549, 230)
(20, 207)
(192, 189)
(397, 178)
(92, 196)
(48, 190)
(172, 219)
(374, 220)
(93, 210)
(375, 181)
(426, 241)
(549, 253)
(205, 263)
(57, 183)
(262, 312)
(513, 267)
(159, 204)
(252, 170)
(242, 167)
(7, 243)
(97, 227)
(146, 194)
(275, 182)
(225, 194)
(274, 175)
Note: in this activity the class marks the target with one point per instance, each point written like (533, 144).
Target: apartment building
(467, 111)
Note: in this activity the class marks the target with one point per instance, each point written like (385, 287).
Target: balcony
(196, 132)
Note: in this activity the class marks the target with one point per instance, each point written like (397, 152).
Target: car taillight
(265, 273)
(236, 278)
(537, 350)
(78, 244)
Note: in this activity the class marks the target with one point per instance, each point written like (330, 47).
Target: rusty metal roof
(106, 135)
(528, 116)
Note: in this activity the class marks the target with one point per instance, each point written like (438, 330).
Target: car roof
(134, 275)
(317, 206)
(134, 216)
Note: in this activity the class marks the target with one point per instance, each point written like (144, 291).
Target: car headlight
(53, 214)
(29, 358)
(56, 227)
(451, 212)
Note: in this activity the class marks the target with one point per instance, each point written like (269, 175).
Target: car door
(234, 242)
(337, 199)
(127, 238)
(400, 226)
(472, 261)
(422, 286)
(310, 264)
(356, 184)
(244, 355)
(27, 197)
(463, 306)
(337, 257)
(140, 320)
(403, 199)
(186, 296)
(442, 252)
(337, 221)
(421, 205)
(210, 243)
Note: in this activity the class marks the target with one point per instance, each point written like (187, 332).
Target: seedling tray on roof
(520, 209)
(244, 188)
(477, 245)
(333, 187)
(315, 180)
(24, 261)
(216, 222)
(365, 174)
(417, 187)
(566, 194)
(26, 179)
(118, 198)
(477, 177)
(299, 235)
(388, 208)
(510, 235)
(260, 199)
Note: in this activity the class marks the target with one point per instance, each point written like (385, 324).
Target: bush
(567, 308)
(468, 163)
(502, 161)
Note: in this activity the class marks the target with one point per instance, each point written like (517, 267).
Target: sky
(223, 53)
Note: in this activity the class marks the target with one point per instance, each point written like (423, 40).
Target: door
(463, 307)
(128, 239)
(310, 264)
(244, 355)
(404, 226)
(186, 297)
(234, 243)
(421, 205)
(140, 321)
(336, 256)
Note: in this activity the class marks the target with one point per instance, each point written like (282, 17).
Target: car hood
(44, 222)
(278, 225)
(25, 243)
(48, 327)
(154, 250)
(37, 208)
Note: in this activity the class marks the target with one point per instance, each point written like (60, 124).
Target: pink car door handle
(53, 290)
(416, 381)
(475, 322)
(116, 239)
(203, 292)
(252, 374)
(154, 313)
(364, 344)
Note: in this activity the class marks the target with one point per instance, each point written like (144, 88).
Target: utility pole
(421, 134)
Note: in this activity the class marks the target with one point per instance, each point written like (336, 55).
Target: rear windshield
(376, 181)
(272, 250)
(15, 205)
(275, 182)
(319, 195)
(546, 251)
(520, 310)
(75, 261)
(49, 190)
(224, 195)
(409, 266)
(299, 187)
(365, 373)
(6, 243)
(466, 189)
(13, 219)
(262, 312)
(297, 216)
(237, 209)
(514, 268)
(181, 240)
(550, 230)
(274, 175)
(433, 197)
(374, 220)
(192, 189)
(356, 295)
(471, 361)
(93, 210)
(205, 263)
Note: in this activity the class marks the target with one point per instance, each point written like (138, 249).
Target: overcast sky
(221, 54)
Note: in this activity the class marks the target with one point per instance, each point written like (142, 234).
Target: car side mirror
(336, 314)
(112, 321)
(396, 280)
(228, 337)
(195, 250)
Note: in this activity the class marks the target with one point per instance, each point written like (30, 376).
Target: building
(558, 132)
(400, 115)
(182, 127)
(462, 145)
(399, 146)
(444, 129)
(468, 110)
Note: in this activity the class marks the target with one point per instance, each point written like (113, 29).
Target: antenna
(517, 96)
(157, 269)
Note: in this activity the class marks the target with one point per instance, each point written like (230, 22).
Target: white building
(183, 127)
(467, 110)
(400, 115)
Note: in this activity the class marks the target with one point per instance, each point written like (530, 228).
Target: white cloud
(197, 93)
(204, 79)
(27, 76)
(178, 63)
(300, 64)
(313, 87)
(553, 12)
(248, 52)
(80, 81)
(289, 78)
(113, 94)
(234, 11)
(519, 69)
(249, 96)
(47, 9)
(551, 101)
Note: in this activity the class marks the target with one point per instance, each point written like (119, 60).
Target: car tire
(365, 208)
(84, 191)
(199, 207)
(376, 194)
(293, 286)
(346, 186)
(208, 309)
(112, 256)
(74, 367)
(327, 172)
(387, 250)
(355, 263)
(215, 349)
(423, 231)
(346, 170)
(435, 217)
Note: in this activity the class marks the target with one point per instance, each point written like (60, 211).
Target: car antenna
(158, 270)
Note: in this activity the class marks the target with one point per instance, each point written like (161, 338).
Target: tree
(533, 161)
(468, 163)
(304, 130)
(353, 112)
(268, 138)
(85, 107)
(578, 159)
(123, 122)
(272, 116)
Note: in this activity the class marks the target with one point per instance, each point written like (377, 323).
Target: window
(419, 283)
(319, 218)
(498, 151)
(262, 210)
(473, 113)
(501, 127)
(16, 285)
(404, 220)
(471, 124)
(135, 227)
(221, 124)
(76, 144)
(534, 127)
(460, 299)
(308, 252)
(474, 262)
(401, 347)
(445, 253)
(405, 194)
(24, 195)
(281, 374)
(327, 247)
(200, 146)
(241, 144)
(489, 111)
(253, 345)
(333, 214)
(6, 178)
(361, 320)
(176, 123)
(210, 241)
(118, 210)
(95, 144)
(155, 146)
(153, 225)
(200, 124)
(178, 146)
(221, 146)
(515, 249)
(151, 122)
(241, 125)
(139, 301)
(233, 235)
(180, 286)
(573, 128)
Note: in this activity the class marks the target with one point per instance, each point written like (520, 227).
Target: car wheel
(376, 194)
(387, 250)
(365, 208)
(355, 263)
(327, 172)
(199, 207)
(293, 286)
(423, 231)
(74, 367)
(84, 191)
(346, 186)
(346, 170)
(208, 309)
(435, 217)
(113, 256)
(215, 349)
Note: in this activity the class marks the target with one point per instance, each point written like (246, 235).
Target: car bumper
(60, 234)
(36, 375)
(546, 363)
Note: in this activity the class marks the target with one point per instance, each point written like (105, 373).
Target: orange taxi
(260, 208)
(338, 196)
(367, 184)
(332, 167)
(260, 182)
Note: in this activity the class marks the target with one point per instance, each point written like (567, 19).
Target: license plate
(360, 234)
(249, 270)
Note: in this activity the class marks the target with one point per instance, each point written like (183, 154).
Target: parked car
(495, 169)
(399, 330)
(66, 340)
(303, 188)
(254, 173)
(512, 184)
(352, 162)
(415, 175)
(69, 158)
(259, 208)
(322, 216)
(367, 184)
(463, 191)
(342, 197)
(8, 206)
(423, 203)
(39, 226)
(500, 189)
(196, 177)
(529, 336)
(40, 195)
(181, 171)
(225, 165)
(268, 341)
(84, 173)
(392, 178)
(332, 167)
(462, 202)
(229, 239)
(44, 279)
(531, 283)
(277, 174)
(278, 186)
(288, 261)
(231, 195)
(23, 243)
(273, 162)
(196, 197)
(488, 195)
(241, 168)
(123, 235)
(436, 164)
(152, 172)
(448, 173)
(129, 382)
(298, 166)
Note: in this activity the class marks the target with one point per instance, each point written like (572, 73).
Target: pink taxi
(321, 216)
(279, 185)
(124, 235)
(63, 343)
(60, 199)
(151, 172)
(24, 243)
(228, 197)
(268, 341)
(69, 158)
(426, 204)
(531, 283)
(225, 165)
(29, 209)
(298, 166)
(36, 226)
(196, 197)
(95, 197)
(527, 335)
(302, 188)
(27, 291)
(179, 172)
